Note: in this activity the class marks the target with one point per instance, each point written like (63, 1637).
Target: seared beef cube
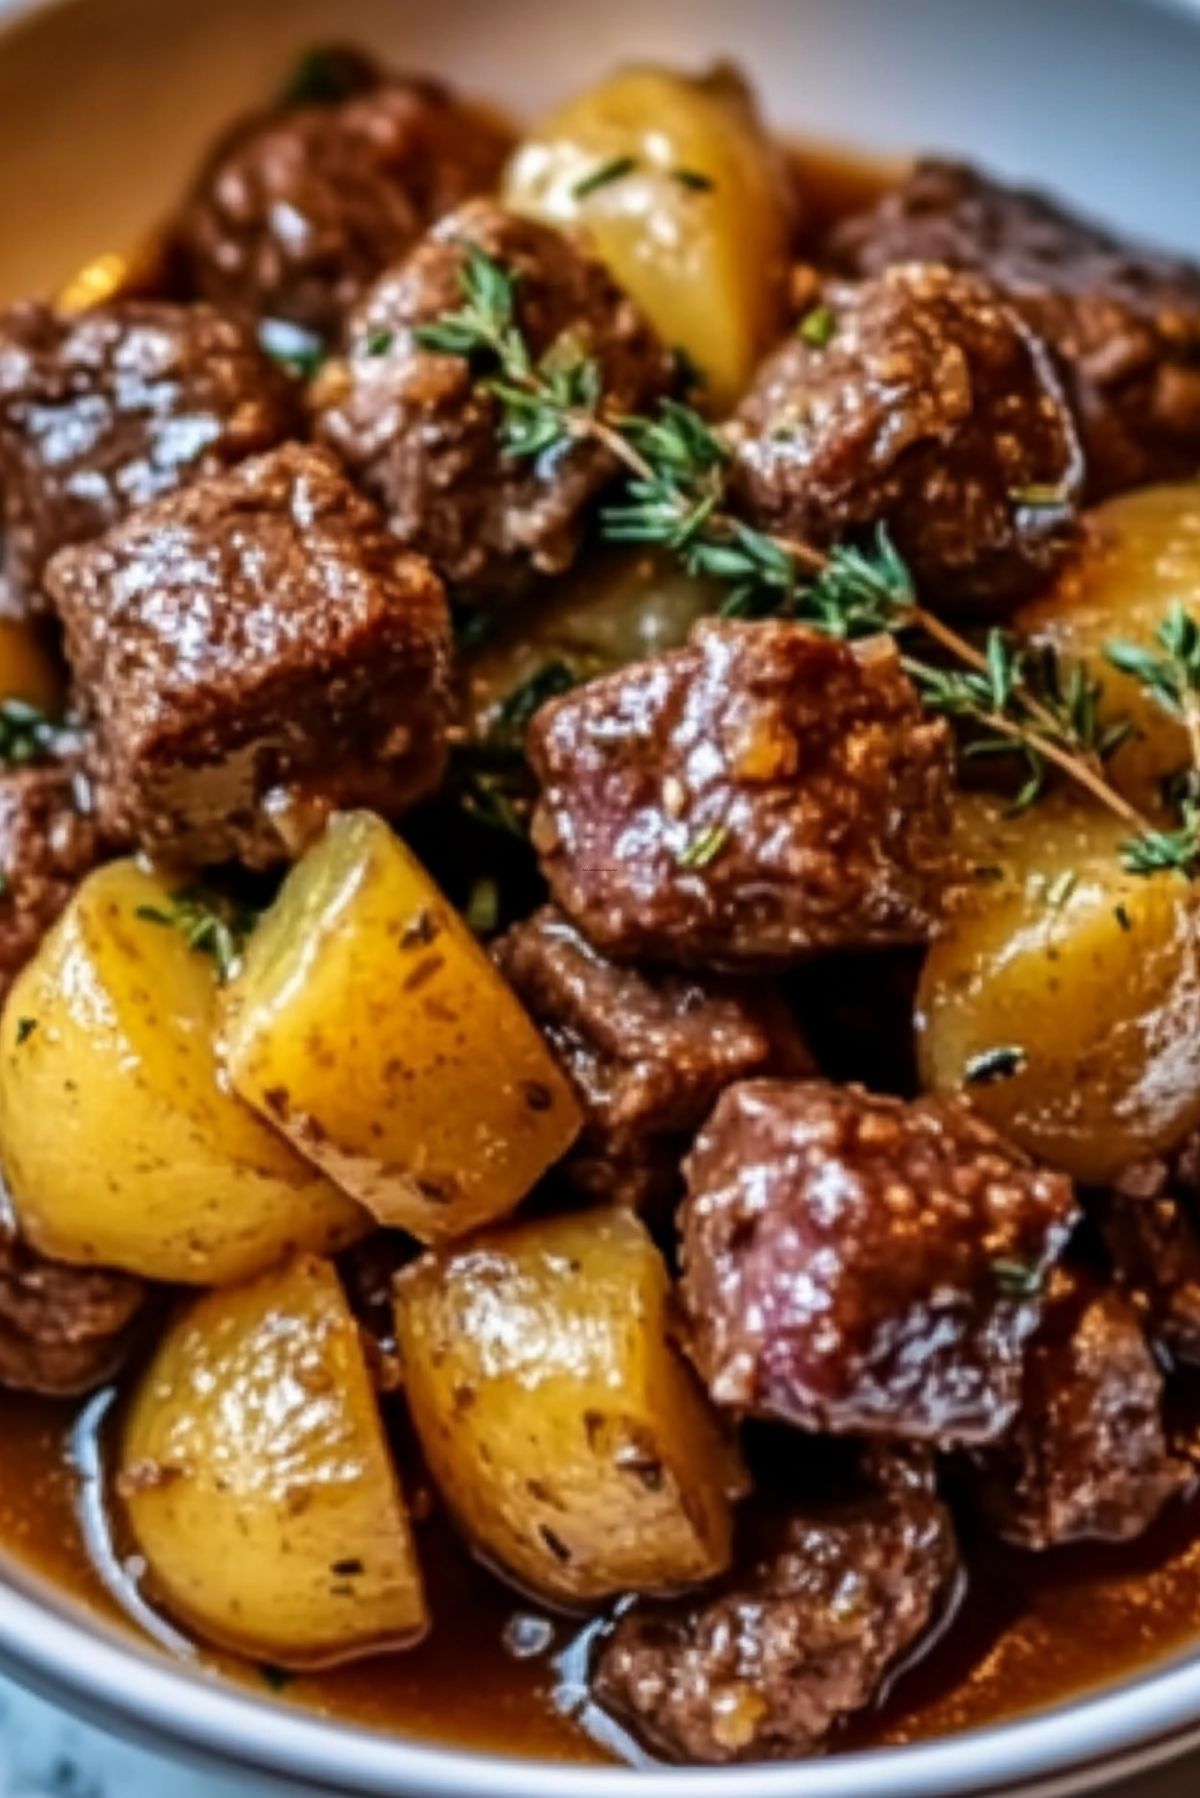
(928, 406)
(857, 1264)
(1124, 321)
(253, 652)
(298, 211)
(48, 842)
(63, 1330)
(761, 794)
(769, 1665)
(1088, 1455)
(647, 1052)
(106, 410)
(1151, 1226)
(420, 431)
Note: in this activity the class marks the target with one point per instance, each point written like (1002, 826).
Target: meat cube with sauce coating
(647, 1052)
(790, 1646)
(297, 211)
(252, 653)
(1151, 1227)
(63, 1330)
(1088, 1457)
(926, 405)
(1122, 320)
(761, 794)
(419, 430)
(48, 842)
(110, 409)
(862, 1265)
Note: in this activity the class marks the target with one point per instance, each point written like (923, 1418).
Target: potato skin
(257, 1479)
(1091, 973)
(569, 1440)
(119, 1145)
(370, 1027)
(1138, 555)
(696, 227)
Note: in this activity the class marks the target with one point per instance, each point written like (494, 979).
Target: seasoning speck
(615, 169)
(994, 1064)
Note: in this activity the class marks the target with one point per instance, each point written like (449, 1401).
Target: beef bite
(253, 652)
(110, 409)
(421, 432)
(48, 842)
(63, 1330)
(790, 1646)
(925, 404)
(862, 1265)
(761, 794)
(298, 210)
(1123, 321)
(1088, 1456)
(648, 1052)
(1151, 1226)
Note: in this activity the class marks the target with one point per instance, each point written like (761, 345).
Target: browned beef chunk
(109, 409)
(252, 652)
(789, 1646)
(63, 1330)
(763, 793)
(48, 842)
(1124, 321)
(928, 406)
(861, 1265)
(647, 1052)
(1151, 1225)
(1088, 1455)
(422, 435)
(297, 212)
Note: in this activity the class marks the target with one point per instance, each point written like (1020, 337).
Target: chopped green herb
(993, 1065)
(1018, 1280)
(689, 376)
(380, 342)
(27, 733)
(987, 871)
(483, 906)
(818, 327)
(298, 351)
(211, 924)
(1122, 916)
(1039, 496)
(25, 1029)
(278, 1678)
(615, 169)
(519, 706)
(693, 180)
(704, 847)
(327, 74)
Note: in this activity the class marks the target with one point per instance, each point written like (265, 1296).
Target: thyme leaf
(211, 924)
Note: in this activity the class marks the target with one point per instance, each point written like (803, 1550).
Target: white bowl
(103, 104)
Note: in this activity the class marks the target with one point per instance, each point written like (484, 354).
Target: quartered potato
(370, 1027)
(258, 1482)
(1140, 555)
(685, 198)
(1064, 996)
(616, 606)
(119, 1144)
(567, 1436)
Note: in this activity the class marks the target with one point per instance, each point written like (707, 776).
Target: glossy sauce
(495, 1674)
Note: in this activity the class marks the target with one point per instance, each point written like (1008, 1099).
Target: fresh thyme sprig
(27, 733)
(211, 924)
(676, 466)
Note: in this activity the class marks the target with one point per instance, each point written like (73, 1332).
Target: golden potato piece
(1065, 994)
(1140, 555)
(567, 1436)
(258, 1482)
(369, 1026)
(119, 1145)
(685, 198)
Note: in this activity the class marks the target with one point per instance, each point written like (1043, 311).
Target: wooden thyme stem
(1077, 767)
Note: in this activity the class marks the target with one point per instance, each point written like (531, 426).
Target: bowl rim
(69, 1654)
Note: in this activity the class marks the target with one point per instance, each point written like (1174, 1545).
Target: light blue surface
(44, 1754)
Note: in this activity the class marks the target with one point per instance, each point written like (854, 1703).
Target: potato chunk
(118, 1143)
(566, 1434)
(371, 1028)
(1140, 555)
(683, 195)
(257, 1478)
(1064, 995)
